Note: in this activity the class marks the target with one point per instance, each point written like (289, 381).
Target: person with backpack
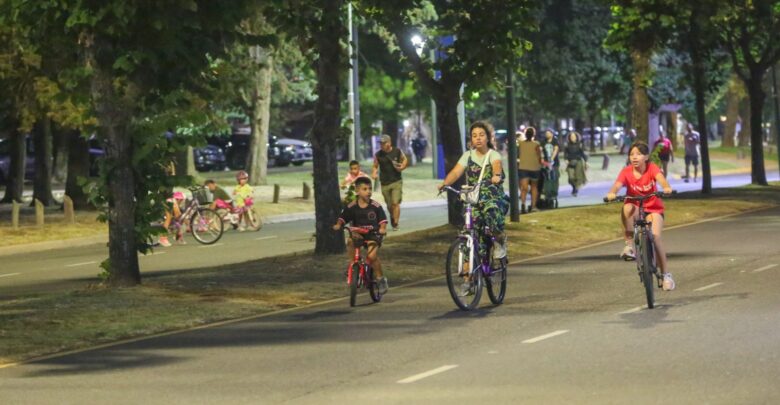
(665, 152)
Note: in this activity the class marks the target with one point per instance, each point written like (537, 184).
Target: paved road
(64, 269)
(571, 331)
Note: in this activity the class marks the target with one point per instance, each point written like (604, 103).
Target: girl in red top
(641, 178)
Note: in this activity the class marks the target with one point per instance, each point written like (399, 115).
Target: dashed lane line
(765, 268)
(418, 377)
(707, 287)
(80, 264)
(210, 246)
(267, 237)
(547, 336)
(632, 310)
(10, 274)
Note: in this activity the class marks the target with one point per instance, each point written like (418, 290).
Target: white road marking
(547, 336)
(79, 264)
(154, 254)
(418, 377)
(209, 246)
(764, 268)
(267, 237)
(493, 352)
(707, 287)
(10, 274)
(632, 310)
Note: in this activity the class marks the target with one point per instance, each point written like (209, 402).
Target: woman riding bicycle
(492, 206)
(641, 178)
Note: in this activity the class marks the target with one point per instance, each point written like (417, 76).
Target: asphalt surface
(572, 330)
(67, 268)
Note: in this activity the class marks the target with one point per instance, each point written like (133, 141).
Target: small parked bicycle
(204, 223)
(360, 274)
(645, 247)
(465, 268)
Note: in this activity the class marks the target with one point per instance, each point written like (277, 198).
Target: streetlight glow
(418, 43)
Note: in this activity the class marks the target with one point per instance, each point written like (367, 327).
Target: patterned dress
(492, 205)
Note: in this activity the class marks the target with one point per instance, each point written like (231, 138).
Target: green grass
(33, 325)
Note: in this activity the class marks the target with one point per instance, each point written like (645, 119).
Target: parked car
(300, 151)
(209, 158)
(5, 160)
(236, 149)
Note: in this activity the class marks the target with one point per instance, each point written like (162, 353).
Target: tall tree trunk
(15, 181)
(257, 162)
(113, 115)
(390, 127)
(733, 97)
(78, 168)
(699, 90)
(449, 130)
(60, 164)
(756, 93)
(42, 143)
(745, 110)
(592, 121)
(327, 121)
(640, 59)
(673, 129)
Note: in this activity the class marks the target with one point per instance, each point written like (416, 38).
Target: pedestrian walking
(628, 139)
(665, 152)
(577, 162)
(419, 144)
(692, 144)
(389, 162)
(548, 186)
(529, 165)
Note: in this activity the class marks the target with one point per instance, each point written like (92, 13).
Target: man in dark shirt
(389, 162)
(221, 197)
(369, 214)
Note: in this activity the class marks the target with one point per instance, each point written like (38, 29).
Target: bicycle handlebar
(621, 198)
(360, 229)
(464, 189)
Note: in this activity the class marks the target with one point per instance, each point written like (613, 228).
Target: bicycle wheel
(373, 288)
(206, 226)
(352, 280)
(457, 265)
(253, 220)
(496, 283)
(646, 270)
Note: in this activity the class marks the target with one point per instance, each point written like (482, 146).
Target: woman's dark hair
(488, 131)
(641, 146)
(530, 134)
(576, 134)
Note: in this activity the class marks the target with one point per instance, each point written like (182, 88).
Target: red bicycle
(247, 214)
(360, 274)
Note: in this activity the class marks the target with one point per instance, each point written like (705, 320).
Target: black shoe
(522, 209)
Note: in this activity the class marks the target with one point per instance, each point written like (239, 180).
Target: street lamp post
(353, 94)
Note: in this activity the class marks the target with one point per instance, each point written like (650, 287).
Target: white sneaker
(668, 284)
(499, 250)
(628, 253)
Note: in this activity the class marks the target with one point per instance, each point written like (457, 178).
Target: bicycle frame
(470, 234)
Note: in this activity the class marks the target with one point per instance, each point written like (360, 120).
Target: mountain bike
(204, 223)
(644, 243)
(466, 269)
(359, 273)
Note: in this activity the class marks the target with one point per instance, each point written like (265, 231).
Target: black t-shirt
(373, 215)
(387, 172)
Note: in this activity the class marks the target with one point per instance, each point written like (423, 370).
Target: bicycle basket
(203, 196)
(471, 194)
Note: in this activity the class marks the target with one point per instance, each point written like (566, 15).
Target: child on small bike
(641, 178)
(172, 211)
(348, 183)
(243, 197)
(367, 213)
